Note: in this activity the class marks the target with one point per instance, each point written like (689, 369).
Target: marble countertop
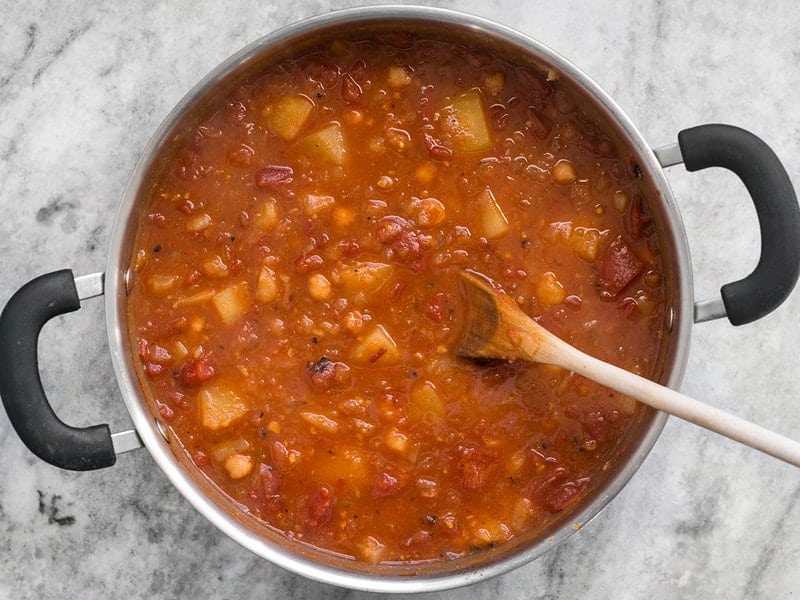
(83, 86)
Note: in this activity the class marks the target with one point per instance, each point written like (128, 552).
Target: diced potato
(586, 242)
(365, 277)
(521, 516)
(628, 405)
(425, 400)
(319, 287)
(515, 462)
(220, 406)
(266, 286)
(198, 222)
(288, 115)
(327, 143)
(353, 322)
(162, 285)
(564, 172)
(195, 299)
(377, 347)
(494, 82)
(179, 350)
(487, 530)
(493, 220)
(398, 77)
(465, 121)
(266, 216)
(427, 488)
(348, 464)
(620, 202)
(557, 232)
(232, 302)
(238, 465)
(215, 267)
(550, 291)
(320, 422)
(396, 441)
(370, 550)
(222, 451)
(314, 204)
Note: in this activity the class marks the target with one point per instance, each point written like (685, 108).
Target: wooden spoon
(497, 328)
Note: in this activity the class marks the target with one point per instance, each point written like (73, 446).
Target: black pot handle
(775, 201)
(35, 303)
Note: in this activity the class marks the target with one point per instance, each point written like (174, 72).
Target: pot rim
(156, 441)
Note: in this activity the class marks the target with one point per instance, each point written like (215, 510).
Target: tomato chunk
(618, 268)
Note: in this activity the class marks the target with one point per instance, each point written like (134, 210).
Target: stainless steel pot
(698, 148)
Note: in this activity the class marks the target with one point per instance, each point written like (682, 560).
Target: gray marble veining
(83, 86)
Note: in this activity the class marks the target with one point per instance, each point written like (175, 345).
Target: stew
(295, 295)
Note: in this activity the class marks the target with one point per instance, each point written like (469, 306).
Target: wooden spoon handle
(675, 403)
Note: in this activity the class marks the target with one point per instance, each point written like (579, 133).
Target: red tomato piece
(618, 267)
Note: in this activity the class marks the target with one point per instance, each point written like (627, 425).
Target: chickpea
(430, 212)
(564, 172)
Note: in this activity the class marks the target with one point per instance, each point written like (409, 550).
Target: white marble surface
(83, 86)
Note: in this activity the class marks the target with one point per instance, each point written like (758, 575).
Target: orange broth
(295, 296)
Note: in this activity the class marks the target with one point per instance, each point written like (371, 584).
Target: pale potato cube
(426, 401)
(487, 530)
(398, 77)
(564, 172)
(320, 422)
(557, 232)
(162, 285)
(465, 121)
(179, 350)
(493, 220)
(232, 302)
(195, 299)
(266, 216)
(222, 451)
(628, 405)
(327, 143)
(220, 406)
(266, 286)
(620, 202)
(522, 513)
(215, 267)
(396, 441)
(370, 550)
(314, 204)
(377, 347)
(494, 82)
(288, 115)
(363, 277)
(198, 222)
(319, 287)
(348, 464)
(549, 290)
(238, 465)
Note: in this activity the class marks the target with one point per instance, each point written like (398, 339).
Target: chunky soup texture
(294, 297)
